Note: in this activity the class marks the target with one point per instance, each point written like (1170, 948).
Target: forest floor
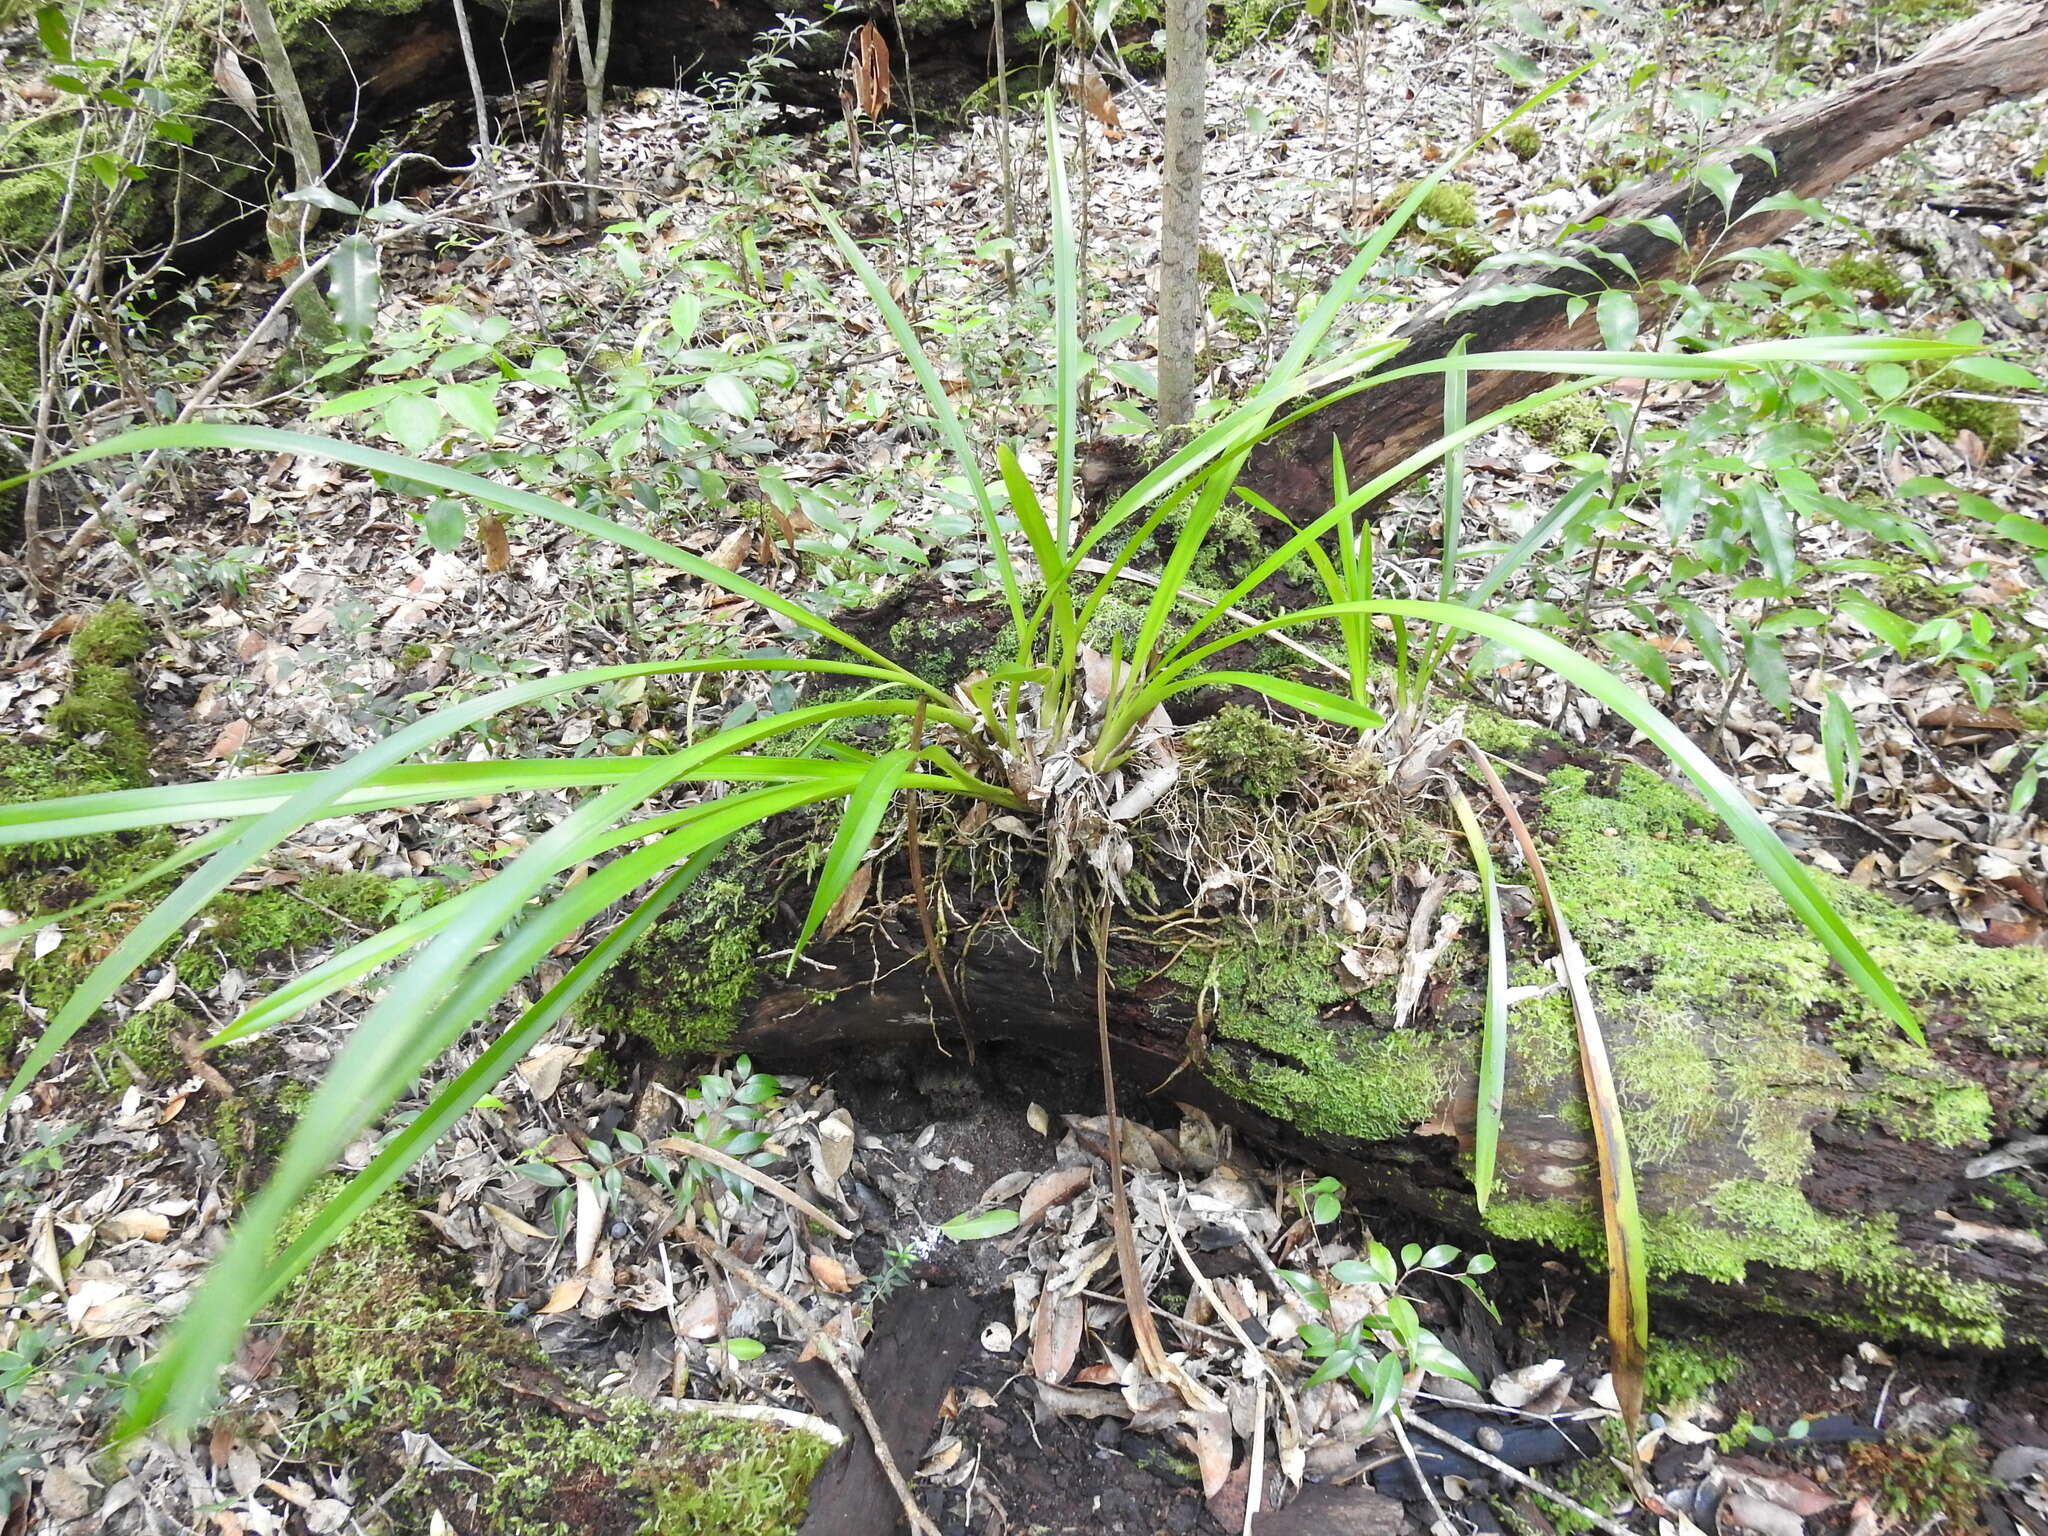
(304, 611)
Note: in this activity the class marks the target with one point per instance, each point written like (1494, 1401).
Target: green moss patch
(1240, 750)
(684, 986)
(1879, 279)
(382, 1337)
(1451, 204)
(95, 741)
(1571, 425)
(1681, 1371)
(1995, 422)
(1730, 1027)
(1273, 1048)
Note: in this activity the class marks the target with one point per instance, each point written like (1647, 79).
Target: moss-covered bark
(1793, 1149)
(1742, 1056)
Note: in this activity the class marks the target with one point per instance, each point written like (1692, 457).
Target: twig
(1515, 1474)
(917, 891)
(199, 400)
(1443, 1521)
(753, 1176)
(761, 1413)
(1136, 1303)
(1255, 1475)
(828, 1351)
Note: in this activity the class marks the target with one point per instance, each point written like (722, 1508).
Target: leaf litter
(321, 620)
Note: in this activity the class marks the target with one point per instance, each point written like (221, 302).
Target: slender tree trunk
(593, 58)
(288, 224)
(1180, 211)
(476, 78)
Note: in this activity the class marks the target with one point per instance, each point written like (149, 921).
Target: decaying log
(1998, 55)
(1795, 1154)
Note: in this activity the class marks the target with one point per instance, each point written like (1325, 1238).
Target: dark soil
(1039, 1472)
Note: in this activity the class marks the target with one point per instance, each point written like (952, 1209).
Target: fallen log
(1795, 1153)
(1624, 243)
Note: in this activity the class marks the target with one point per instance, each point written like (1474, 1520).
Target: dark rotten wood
(873, 992)
(919, 1340)
(1999, 55)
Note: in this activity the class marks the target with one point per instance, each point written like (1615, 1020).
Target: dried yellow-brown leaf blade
(872, 80)
(1628, 1295)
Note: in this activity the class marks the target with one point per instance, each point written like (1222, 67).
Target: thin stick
(1255, 1477)
(1443, 1521)
(200, 399)
(476, 80)
(761, 1413)
(1515, 1474)
(753, 1176)
(917, 891)
(1136, 1303)
(828, 1352)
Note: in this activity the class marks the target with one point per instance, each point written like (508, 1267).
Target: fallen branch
(1998, 55)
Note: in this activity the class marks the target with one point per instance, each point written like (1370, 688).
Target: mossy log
(1795, 1153)
(1625, 242)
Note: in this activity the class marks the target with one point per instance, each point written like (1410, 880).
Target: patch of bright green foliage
(382, 1336)
(1240, 750)
(146, 1042)
(1680, 1371)
(683, 986)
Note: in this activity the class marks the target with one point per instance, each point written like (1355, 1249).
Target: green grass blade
(1066, 295)
(501, 497)
(1493, 1034)
(425, 1010)
(1590, 488)
(1306, 697)
(339, 970)
(1218, 443)
(1320, 320)
(191, 853)
(951, 430)
(865, 807)
(405, 1146)
(258, 836)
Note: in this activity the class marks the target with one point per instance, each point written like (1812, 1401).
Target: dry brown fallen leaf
(232, 738)
(1053, 1187)
(830, 1273)
(1056, 1337)
(490, 532)
(870, 71)
(126, 1226)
